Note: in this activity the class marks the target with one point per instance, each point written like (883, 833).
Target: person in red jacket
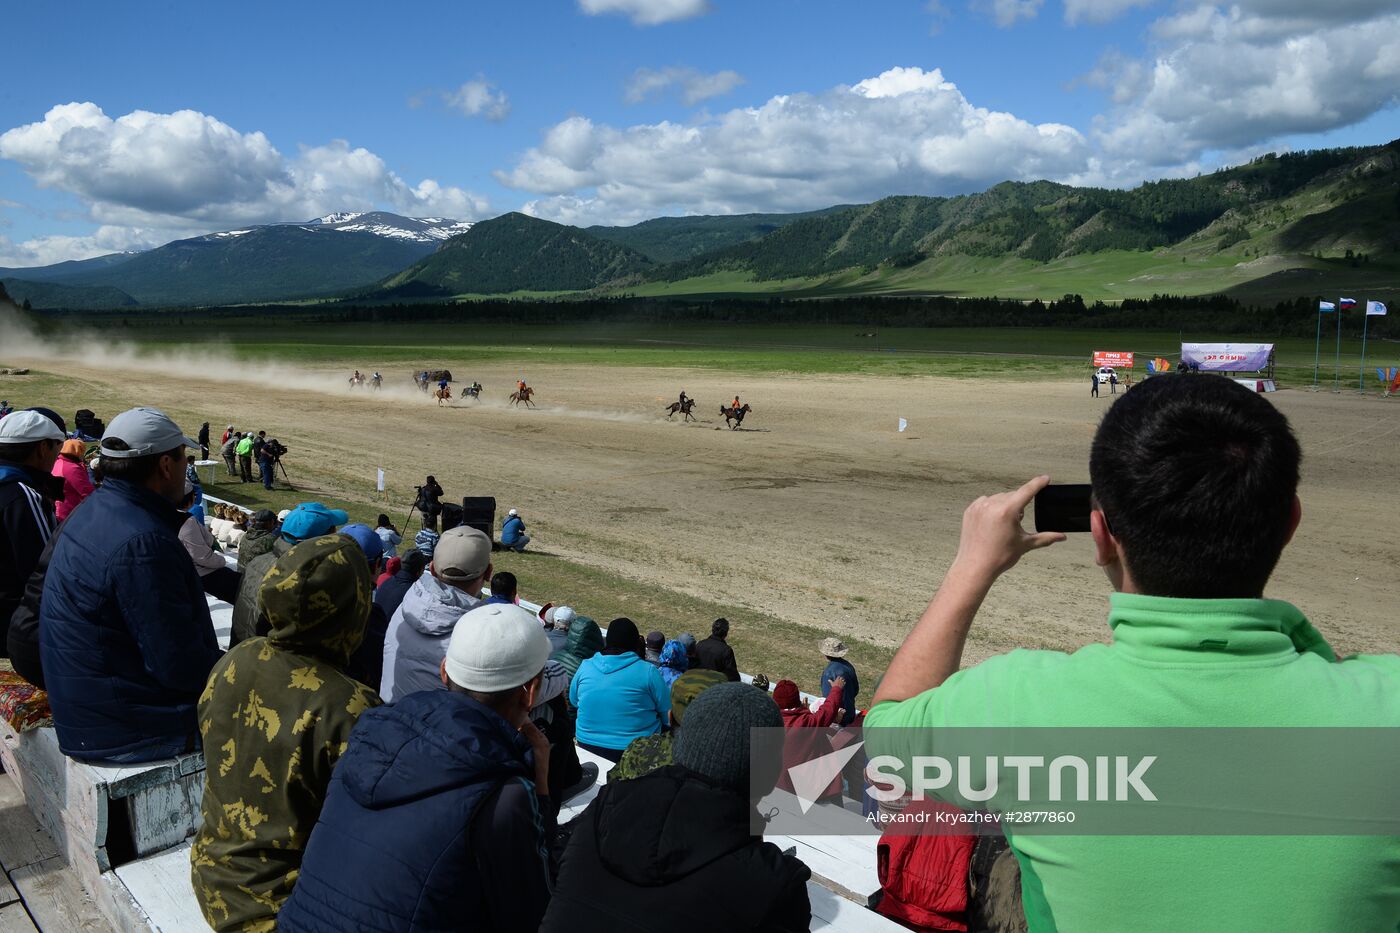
(806, 737)
(924, 875)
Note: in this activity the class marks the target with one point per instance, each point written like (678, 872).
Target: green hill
(515, 252)
(260, 264)
(670, 239)
(57, 296)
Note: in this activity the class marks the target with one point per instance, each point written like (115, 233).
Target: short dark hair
(132, 469)
(18, 453)
(1196, 478)
(383, 520)
(504, 584)
(720, 628)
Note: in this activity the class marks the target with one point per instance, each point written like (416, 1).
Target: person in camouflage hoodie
(650, 752)
(276, 716)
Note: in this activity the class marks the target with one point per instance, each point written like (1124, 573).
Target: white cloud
(905, 131)
(1100, 11)
(647, 12)
(167, 175)
(1231, 78)
(45, 250)
(479, 98)
(694, 86)
(1008, 12)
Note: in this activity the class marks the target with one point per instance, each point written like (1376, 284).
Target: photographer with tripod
(429, 503)
(269, 459)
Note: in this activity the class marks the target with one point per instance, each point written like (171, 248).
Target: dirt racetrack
(817, 512)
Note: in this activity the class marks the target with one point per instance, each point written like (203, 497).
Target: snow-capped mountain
(394, 226)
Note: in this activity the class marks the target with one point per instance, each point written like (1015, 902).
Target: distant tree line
(1214, 314)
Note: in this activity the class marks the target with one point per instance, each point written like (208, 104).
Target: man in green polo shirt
(1195, 498)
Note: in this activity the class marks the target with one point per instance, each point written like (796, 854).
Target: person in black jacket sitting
(672, 851)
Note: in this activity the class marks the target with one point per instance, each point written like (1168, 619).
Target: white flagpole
(1365, 325)
(1337, 366)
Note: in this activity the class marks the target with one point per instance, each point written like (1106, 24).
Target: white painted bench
(577, 804)
(835, 913)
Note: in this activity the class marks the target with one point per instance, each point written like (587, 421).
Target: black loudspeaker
(451, 516)
(479, 512)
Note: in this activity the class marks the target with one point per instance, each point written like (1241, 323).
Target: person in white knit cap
(442, 811)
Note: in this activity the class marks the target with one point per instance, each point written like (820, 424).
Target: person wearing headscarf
(673, 662)
(618, 695)
(275, 717)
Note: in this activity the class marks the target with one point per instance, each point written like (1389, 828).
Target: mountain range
(1292, 222)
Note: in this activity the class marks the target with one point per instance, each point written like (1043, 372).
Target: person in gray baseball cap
(29, 445)
(124, 631)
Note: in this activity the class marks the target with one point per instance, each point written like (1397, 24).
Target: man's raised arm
(991, 543)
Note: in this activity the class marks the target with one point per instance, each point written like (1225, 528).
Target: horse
(356, 381)
(472, 391)
(442, 394)
(523, 395)
(681, 407)
(376, 381)
(734, 417)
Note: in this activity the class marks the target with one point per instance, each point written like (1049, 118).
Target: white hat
(143, 431)
(511, 512)
(496, 647)
(25, 427)
(282, 515)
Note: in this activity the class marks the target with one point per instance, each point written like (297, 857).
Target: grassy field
(992, 353)
(1110, 275)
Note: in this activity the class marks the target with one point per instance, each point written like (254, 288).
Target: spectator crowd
(390, 735)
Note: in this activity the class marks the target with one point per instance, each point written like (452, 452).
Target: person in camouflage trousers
(276, 716)
(650, 752)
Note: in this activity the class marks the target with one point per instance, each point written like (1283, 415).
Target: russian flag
(1346, 304)
(1323, 306)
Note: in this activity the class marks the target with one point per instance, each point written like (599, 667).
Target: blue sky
(197, 117)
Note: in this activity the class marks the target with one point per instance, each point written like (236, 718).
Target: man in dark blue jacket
(29, 445)
(437, 813)
(125, 635)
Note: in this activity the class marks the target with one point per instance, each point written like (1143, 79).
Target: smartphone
(1063, 508)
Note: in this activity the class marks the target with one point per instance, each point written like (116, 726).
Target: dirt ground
(818, 512)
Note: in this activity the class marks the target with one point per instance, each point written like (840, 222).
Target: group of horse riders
(358, 379)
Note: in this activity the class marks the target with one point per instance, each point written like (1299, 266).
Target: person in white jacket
(214, 573)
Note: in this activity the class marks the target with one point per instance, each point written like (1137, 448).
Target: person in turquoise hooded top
(618, 695)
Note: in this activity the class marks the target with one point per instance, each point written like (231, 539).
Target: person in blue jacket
(513, 531)
(619, 696)
(125, 634)
(438, 813)
(835, 651)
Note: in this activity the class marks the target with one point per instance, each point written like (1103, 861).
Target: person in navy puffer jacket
(124, 632)
(619, 696)
(438, 812)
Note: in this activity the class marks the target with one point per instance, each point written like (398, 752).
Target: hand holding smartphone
(1064, 507)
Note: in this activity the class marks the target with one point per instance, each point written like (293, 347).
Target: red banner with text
(1113, 358)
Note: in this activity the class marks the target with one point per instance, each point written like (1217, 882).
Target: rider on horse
(682, 400)
(735, 406)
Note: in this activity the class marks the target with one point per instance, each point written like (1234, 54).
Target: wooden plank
(843, 916)
(56, 899)
(22, 840)
(165, 815)
(8, 894)
(15, 919)
(161, 885)
(836, 864)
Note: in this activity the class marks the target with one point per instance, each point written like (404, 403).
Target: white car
(1104, 372)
